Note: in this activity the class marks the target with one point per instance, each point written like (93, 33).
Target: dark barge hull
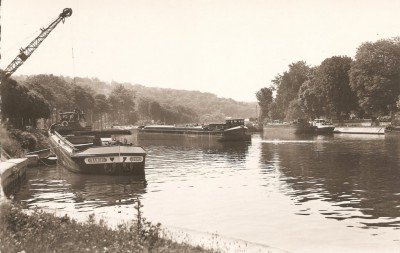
(288, 129)
(222, 136)
(324, 130)
(108, 160)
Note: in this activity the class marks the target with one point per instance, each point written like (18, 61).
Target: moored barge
(232, 130)
(83, 150)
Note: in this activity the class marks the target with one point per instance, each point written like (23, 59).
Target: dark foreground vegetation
(38, 231)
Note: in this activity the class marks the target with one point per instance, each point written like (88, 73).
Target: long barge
(83, 150)
(232, 130)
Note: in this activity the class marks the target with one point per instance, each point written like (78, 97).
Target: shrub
(36, 231)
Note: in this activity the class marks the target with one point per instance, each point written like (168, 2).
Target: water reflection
(56, 187)
(201, 150)
(358, 175)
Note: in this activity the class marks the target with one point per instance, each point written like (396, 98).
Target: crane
(28, 50)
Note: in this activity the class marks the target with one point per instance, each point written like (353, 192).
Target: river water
(338, 193)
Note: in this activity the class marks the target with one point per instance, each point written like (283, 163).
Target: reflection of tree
(362, 175)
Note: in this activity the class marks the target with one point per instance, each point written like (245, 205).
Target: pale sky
(231, 48)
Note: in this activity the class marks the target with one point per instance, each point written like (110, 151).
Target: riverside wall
(12, 171)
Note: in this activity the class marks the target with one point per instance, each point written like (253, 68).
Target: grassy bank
(39, 231)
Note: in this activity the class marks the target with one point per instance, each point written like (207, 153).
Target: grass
(38, 231)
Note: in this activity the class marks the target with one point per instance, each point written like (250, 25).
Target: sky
(231, 48)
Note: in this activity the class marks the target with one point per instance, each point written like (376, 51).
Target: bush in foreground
(39, 231)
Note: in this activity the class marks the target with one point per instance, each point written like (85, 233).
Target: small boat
(48, 160)
(232, 130)
(82, 150)
(322, 126)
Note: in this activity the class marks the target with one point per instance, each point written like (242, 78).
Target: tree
(155, 111)
(288, 85)
(54, 89)
(295, 111)
(311, 99)
(101, 107)
(264, 97)
(332, 78)
(275, 112)
(83, 98)
(22, 106)
(375, 76)
(122, 104)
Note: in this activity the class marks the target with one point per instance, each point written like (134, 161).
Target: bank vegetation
(34, 230)
(340, 88)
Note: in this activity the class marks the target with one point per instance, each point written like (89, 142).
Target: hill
(208, 107)
(151, 103)
(203, 103)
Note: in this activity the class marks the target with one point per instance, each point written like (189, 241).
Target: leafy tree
(20, 105)
(332, 78)
(122, 104)
(311, 99)
(54, 89)
(288, 85)
(275, 112)
(155, 111)
(82, 98)
(264, 97)
(295, 111)
(375, 75)
(101, 107)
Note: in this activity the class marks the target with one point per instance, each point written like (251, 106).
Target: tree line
(340, 87)
(28, 98)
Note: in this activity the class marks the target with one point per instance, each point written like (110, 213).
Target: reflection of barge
(232, 130)
(82, 150)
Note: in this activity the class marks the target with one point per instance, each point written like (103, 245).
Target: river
(338, 193)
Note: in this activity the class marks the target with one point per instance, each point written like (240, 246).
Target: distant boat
(322, 126)
(232, 130)
(392, 129)
(82, 150)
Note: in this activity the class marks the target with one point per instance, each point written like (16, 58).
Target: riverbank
(21, 230)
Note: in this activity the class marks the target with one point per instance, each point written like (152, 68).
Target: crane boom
(28, 50)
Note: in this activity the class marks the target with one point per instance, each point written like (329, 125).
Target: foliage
(275, 111)
(310, 99)
(21, 105)
(10, 144)
(332, 81)
(20, 231)
(288, 85)
(375, 75)
(264, 97)
(54, 89)
(122, 104)
(201, 105)
(25, 139)
(294, 111)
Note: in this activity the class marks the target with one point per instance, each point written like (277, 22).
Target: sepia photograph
(200, 126)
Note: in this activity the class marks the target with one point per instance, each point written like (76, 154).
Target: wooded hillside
(124, 103)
